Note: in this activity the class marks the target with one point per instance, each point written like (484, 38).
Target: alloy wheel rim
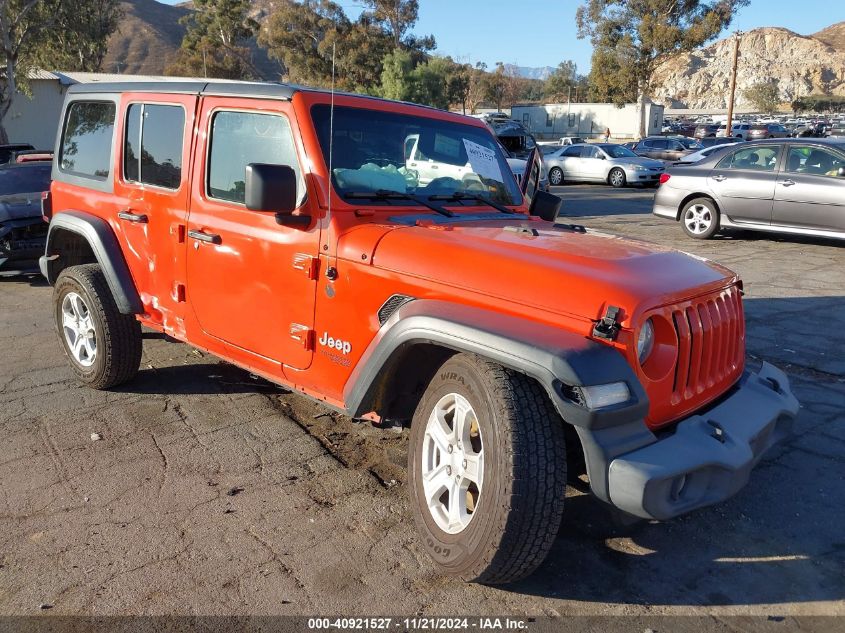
(556, 176)
(698, 219)
(78, 329)
(452, 463)
(616, 178)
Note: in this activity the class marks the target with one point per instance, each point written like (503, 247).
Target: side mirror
(545, 205)
(272, 188)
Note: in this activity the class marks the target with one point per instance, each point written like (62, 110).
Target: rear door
(151, 196)
(810, 193)
(744, 182)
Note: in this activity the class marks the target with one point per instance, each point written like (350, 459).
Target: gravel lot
(212, 492)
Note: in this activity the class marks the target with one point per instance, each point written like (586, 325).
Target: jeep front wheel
(487, 471)
(103, 346)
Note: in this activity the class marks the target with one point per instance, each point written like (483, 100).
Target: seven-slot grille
(711, 343)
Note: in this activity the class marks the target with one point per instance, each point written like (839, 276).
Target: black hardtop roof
(249, 89)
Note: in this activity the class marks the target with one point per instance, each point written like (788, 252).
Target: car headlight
(640, 168)
(645, 341)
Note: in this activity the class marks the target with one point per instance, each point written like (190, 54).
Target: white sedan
(613, 164)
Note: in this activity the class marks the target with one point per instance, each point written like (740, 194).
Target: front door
(810, 193)
(744, 183)
(251, 281)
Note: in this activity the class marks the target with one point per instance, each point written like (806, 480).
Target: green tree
(50, 33)
(398, 17)
(430, 83)
(561, 82)
(214, 44)
(764, 96)
(396, 75)
(637, 35)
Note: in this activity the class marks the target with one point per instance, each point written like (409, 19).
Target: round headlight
(645, 341)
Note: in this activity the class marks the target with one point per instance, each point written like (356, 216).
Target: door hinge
(308, 264)
(608, 326)
(304, 334)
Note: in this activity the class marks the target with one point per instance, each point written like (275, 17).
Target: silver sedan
(613, 164)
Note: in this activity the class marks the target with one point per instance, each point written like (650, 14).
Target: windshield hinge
(608, 326)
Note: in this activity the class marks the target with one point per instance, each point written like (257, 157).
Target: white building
(587, 119)
(35, 119)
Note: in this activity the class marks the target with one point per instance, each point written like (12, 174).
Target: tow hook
(608, 326)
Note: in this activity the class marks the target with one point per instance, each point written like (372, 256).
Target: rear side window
(758, 158)
(152, 150)
(659, 144)
(241, 138)
(572, 151)
(87, 139)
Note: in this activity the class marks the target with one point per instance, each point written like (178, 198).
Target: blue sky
(543, 32)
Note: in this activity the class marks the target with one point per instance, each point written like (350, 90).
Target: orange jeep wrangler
(382, 258)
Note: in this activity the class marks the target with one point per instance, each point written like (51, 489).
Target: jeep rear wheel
(487, 471)
(103, 346)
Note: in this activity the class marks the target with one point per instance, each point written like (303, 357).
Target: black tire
(712, 218)
(520, 505)
(616, 178)
(118, 336)
(555, 176)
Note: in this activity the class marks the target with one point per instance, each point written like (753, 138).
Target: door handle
(434, 167)
(787, 183)
(720, 178)
(127, 215)
(211, 238)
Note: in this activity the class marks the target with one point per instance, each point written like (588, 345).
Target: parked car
(786, 186)
(708, 129)
(766, 130)
(601, 162)
(23, 231)
(710, 142)
(703, 153)
(33, 155)
(666, 147)
(8, 151)
(837, 129)
(288, 238)
(738, 130)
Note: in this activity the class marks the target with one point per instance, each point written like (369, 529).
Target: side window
(152, 151)
(660, 144)
(575, 150)
(87, 139)
(813, 160)
(757, 158)
(241, 138)
(676, 146)
(588, 152)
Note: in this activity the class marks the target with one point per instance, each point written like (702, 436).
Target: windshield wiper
(385, 194)
(458, 196)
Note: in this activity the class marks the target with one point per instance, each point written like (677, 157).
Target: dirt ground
(214, 492)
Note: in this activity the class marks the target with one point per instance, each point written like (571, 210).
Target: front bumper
(710, 455)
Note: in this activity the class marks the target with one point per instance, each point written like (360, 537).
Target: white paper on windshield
(483, 161)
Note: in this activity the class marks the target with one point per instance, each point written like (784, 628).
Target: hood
(20, 207)
(556, 270)
(638, 160)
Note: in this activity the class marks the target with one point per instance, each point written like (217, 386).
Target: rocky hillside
(801, 65)
(150, 34)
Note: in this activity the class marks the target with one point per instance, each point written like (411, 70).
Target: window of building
(87, 139)
(241, 138)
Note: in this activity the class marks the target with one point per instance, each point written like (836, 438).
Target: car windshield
(618, 151)
(374, 151)
(25, 179)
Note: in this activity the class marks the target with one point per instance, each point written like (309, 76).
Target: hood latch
(608, 326)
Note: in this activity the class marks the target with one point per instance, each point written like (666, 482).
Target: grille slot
(710, 349)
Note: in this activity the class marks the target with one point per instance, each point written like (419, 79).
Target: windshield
(618, 151)
(25, 179)
(385, 151)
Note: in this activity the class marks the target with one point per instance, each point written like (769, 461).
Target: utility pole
(729, 128)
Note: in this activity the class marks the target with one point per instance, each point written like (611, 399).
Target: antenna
(331, 133)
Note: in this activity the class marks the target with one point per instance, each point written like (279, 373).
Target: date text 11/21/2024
(418, 624)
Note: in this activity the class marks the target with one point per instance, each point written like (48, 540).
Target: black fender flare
(553, 356)
(103, 242)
